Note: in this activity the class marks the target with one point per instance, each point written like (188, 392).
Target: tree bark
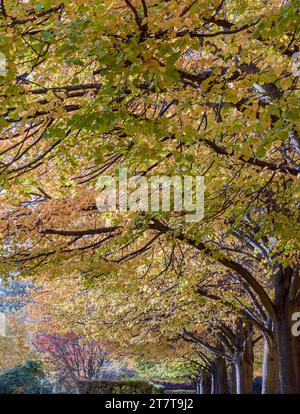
(221, 382)
(205, 382)
(244, 376)
(270, 380)
(296, 346)
(287, 369)
(244, 357)
(287, 346)
(198, 386)
(232, 379)
(213, 384)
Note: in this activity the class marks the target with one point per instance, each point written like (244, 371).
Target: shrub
(119, 387)
(25, 378)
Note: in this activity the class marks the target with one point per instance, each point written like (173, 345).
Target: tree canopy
(162, 88)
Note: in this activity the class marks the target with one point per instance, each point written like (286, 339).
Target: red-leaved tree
(73, 359)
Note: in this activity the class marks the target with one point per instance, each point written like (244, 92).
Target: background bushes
(119, 387)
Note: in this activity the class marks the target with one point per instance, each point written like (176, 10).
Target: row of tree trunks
(281, 368)
(236, 347)
(281, 362)
(214, 381)
(241, 367)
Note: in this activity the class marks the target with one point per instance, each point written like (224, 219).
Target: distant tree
(73, 359)
(16, 346)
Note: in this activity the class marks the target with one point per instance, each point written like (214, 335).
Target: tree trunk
(201, 382)
(221, 385)
(287, 348)
(270, 380)
(232, 379)
(296, 338)
(244, 376)
(287, 361)
(296, 346)
(213, 389)
(205, 382)
(198, 386)
(244, 357)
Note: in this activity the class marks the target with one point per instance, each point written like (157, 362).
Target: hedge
(119, 387)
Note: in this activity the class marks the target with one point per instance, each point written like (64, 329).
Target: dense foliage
(160, 87)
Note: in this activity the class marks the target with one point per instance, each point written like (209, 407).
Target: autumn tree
(73, 359)
(207, 88)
